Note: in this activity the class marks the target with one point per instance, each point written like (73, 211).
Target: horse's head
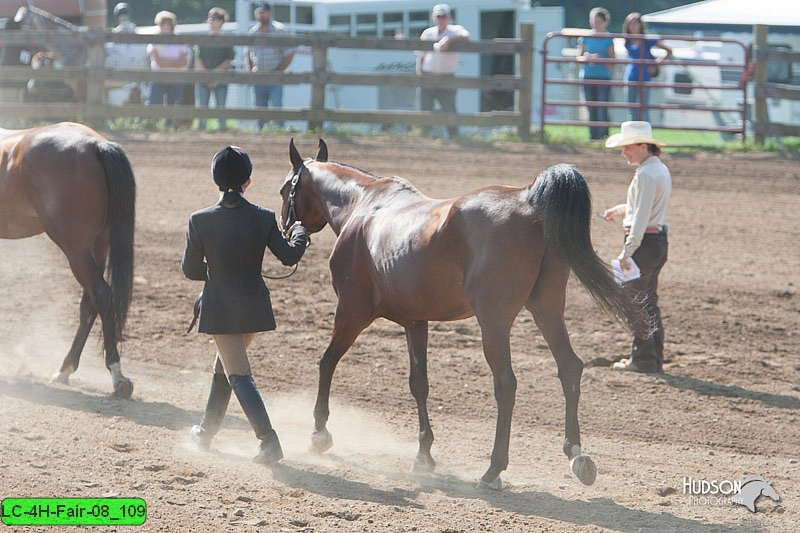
(768, 491)
(300, 201)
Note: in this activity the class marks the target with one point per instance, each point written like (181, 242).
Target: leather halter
(291, 209)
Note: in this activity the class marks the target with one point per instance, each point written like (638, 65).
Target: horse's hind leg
(90, 275)
(345, 331)
(417, 339)
(546, 304)
(88, 314)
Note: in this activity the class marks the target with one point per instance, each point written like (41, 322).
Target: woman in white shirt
(645, 235)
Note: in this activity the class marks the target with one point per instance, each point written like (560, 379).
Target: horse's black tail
(121, 219)
(561, 199)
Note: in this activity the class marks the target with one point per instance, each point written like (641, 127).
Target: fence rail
(96, 76)
(763, 55)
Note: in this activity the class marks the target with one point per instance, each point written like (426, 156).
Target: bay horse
(413, 259)
(69, 182)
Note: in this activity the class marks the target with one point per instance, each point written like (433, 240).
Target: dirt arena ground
(727, 405)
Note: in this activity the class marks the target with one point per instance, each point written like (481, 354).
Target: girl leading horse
(413, 259)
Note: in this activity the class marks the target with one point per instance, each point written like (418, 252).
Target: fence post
(525, 93)
(319, 56)
(760, 32)
(95, 82)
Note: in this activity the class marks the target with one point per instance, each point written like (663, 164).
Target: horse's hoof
(123, 388)
(60, 377)
(584, 468)
(495, 485)
(423, 464)
(321, 441)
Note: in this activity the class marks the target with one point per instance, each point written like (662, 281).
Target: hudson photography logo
(725, 492)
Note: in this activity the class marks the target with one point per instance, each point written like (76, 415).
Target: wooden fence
(96, 75)
(763, 55)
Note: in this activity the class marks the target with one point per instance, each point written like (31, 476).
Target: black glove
(298, 230)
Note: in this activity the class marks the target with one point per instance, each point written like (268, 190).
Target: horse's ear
(322, 151)
(294, 156)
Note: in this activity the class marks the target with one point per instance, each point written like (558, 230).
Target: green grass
(679, 140)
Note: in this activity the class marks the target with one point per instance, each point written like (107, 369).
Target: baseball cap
(263, 6)
(441, 9)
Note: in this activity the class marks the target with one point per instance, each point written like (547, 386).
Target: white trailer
(395, 19)
(405, 19)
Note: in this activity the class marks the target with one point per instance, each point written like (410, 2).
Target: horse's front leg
(345, 331)
(497, 350)
(417, 339)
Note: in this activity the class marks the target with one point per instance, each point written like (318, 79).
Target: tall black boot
(253, 406)
(217, 404)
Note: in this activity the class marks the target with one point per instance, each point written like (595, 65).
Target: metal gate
(702, 87)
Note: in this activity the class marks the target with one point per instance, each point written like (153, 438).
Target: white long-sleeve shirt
(441, 62)
(648, 196)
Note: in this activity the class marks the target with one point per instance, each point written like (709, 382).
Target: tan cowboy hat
(633, 132)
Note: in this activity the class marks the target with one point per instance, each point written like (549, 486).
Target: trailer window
(367, 24)
(281, 14)
(417, 21)
(339, 24)
(681, 77)
(304, 15)
(392, 25)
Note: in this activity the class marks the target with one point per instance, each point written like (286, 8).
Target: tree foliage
(188, 11)
(576, 12)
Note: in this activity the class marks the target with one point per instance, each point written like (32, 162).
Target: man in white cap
(440, 62)
(645, 235)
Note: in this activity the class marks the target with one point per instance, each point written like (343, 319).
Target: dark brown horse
(489, 253)
(71, 183)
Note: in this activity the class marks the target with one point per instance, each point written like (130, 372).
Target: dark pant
(202, 98)
(597, 93)
(650, 257)
(447, 101)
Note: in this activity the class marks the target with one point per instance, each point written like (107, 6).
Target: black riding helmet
(231, 168)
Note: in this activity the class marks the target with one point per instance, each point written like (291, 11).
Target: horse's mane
(400, 183)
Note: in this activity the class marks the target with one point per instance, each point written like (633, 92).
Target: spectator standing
(597, 45)
(122, 14)
(213, 58)
(166, 57)
(637, 74)
(440, 62)
(13, 55)
(125, 56)
(645, 235)
(267, 58)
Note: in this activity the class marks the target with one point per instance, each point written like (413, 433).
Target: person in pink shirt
(165, 57)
